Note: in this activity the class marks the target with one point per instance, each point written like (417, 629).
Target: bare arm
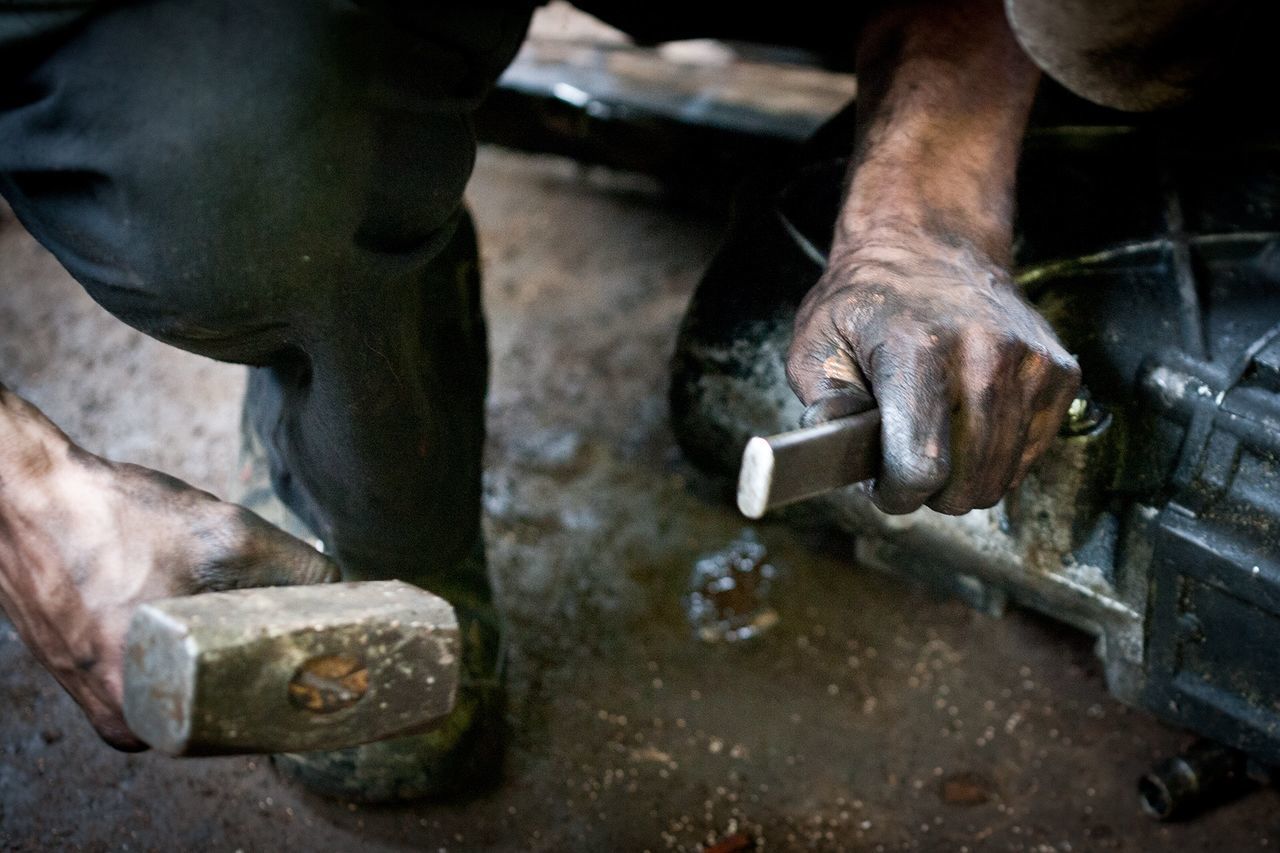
(916, 309)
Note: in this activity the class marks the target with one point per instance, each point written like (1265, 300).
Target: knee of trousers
(218, 214)
(234, 244)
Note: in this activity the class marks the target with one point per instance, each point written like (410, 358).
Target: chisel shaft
(806, 462)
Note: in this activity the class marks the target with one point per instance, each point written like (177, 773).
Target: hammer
(289, 669)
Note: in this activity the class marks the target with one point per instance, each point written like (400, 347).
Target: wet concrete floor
(868, 715)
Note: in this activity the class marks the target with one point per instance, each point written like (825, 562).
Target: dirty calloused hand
(83, 541)
(971, 382)
(916, 311)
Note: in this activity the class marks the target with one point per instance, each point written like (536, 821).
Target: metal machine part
(289, 669)
(1205, 774)
(697, 120)
(1154, 521)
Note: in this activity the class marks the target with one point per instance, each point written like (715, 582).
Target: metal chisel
(792, 466)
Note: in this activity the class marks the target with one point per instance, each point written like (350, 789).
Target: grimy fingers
(257, 553)
(911, 388)
(823, 374)
(290, 562)
(988, 426)
(836, 404)
(1051, 388)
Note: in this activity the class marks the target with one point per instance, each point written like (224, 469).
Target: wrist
(944, 96)
(954, 204)
(930, 248)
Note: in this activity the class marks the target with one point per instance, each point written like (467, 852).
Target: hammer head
(289, 669)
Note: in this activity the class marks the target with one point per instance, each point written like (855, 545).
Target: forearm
(944, 95)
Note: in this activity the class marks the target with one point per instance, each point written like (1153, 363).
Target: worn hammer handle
(792, 466)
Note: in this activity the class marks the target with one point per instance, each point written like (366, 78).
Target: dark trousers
(280, 185)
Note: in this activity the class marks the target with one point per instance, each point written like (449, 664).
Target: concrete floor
(872, 717)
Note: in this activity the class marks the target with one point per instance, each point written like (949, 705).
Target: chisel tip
(756, 478)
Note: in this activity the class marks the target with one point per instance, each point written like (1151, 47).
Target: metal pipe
(1207, 774)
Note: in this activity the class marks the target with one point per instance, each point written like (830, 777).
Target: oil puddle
(729, 592)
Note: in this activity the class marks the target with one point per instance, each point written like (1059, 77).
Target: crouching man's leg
(280, 185)
(373, 447)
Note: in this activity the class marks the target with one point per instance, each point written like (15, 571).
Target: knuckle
(978, 328)
(951, 505)
(238, 524)
(810, 320)
(936, 334)
(837, 310)
(988, 352)
(965, 500)
(806, 345)
(1052, 367)
(918, 473)
(229, 537)
(894, 501)
(1054, 356)
(800, 374)
(799, 355)
(935, 343)
(895, 361)
(222, 527)
(1069, 368)
(988, 498)
(1058, 359)
(1000, 353)
(231, 515)
(1008, 342)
